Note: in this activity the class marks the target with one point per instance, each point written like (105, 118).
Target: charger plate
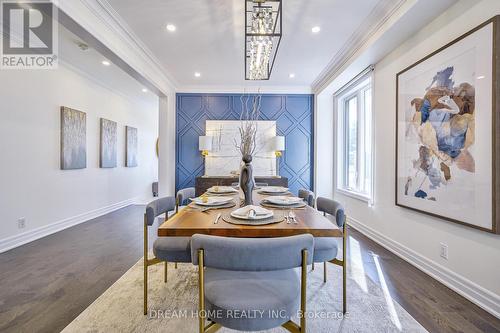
(274, 194)
(277, 217)
(294, 206)
(194, 206)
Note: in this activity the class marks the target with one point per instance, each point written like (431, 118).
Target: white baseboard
(478, 295)
(31, 235)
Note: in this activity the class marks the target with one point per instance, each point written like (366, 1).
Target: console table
(205, 182)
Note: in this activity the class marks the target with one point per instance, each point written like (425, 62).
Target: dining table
(195, 220)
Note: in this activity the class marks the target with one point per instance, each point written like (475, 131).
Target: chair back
(185, 194)
(252, 254)
(332, 207)
(158, 207)
(307, 196)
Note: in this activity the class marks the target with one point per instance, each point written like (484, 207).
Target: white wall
(31, 182)
(473, 267)
(166, 172)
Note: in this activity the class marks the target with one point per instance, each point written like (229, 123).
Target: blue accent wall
(294, 120)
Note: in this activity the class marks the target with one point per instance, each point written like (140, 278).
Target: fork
(287, 219)
(217, 218)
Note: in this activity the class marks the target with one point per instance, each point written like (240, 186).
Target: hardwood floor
(47, 283)
(44, 285)
(432, 304)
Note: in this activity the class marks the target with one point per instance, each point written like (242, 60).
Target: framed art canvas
(132, 147)
(73, 139)
(447, 133)
(108, 144)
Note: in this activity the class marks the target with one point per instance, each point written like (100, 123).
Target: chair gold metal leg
(166, 272)
(201, 284)
(303, 289)
(290, 326)
(145, 287)
(344, 268)
(175, 265)
(145, 266)
(324, 272)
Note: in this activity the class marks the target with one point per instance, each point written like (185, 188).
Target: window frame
(356, 88)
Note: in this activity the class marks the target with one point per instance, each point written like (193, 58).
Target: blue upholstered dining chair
(165, 249)
(252, 276)
(326, 248)
(307, 196)
(183, 196)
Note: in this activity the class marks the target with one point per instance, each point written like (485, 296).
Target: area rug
(172, 305)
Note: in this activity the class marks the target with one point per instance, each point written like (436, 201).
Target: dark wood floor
(44, 285)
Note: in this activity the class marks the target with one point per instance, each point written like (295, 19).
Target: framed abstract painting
(108, 145)
(73, 139)
(447, 133)
(132, 149)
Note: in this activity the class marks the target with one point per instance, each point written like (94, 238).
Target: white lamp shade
(278, 143)
(205, 143)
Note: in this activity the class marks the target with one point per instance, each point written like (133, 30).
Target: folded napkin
(251, 211)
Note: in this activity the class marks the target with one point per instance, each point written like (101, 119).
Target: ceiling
(89, 63)
(209, 38)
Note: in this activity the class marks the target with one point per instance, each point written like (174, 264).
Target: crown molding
(245, 89)
(132, 99)
(128, 34)
(376, 20)
(100, 21)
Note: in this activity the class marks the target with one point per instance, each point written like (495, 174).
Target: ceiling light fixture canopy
(263, 26)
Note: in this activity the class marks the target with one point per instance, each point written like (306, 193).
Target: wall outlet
(443, 251)
(21, 223)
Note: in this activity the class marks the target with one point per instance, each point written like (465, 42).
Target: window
(354, 138)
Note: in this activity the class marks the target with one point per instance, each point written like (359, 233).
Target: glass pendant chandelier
(262, 37)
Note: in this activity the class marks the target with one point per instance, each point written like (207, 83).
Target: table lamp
(205, 145)
(278, 145)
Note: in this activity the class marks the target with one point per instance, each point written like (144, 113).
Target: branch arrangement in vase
(248, 127)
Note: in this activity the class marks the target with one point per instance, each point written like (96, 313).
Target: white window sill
(354, 195)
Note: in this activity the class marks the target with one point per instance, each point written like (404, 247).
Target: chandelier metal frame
(276, 8)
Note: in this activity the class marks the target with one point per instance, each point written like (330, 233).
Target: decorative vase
(246, 179)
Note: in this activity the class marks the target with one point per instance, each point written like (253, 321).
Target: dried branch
(248, 126)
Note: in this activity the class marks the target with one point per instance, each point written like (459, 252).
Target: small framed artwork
(73, 139)
(132, 147)
(108, 144)
(448, 131)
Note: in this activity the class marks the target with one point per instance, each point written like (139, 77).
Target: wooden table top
(189, 222)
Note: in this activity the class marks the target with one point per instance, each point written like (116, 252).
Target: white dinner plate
(283, 200)
(257, 217)
(261, 213)
(211, 201)
(274, 189)
(222, 189)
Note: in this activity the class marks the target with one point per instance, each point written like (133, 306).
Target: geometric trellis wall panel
(294, 120)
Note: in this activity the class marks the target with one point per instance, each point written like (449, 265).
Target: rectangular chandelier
(263, 25)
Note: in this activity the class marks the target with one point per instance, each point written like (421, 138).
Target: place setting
(283, 202)
(253, 215)
(205, 203)
(274, 190)
(221, 191)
